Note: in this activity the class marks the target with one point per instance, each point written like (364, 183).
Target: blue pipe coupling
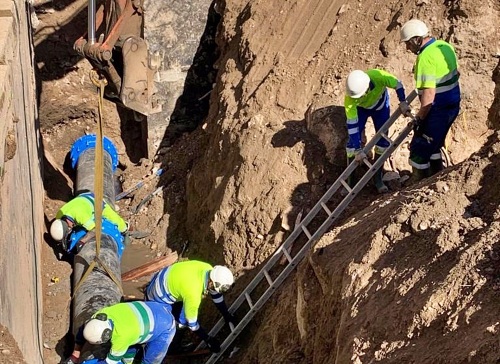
(88, 142)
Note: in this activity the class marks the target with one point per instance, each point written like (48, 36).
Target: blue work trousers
(431, 135)
(157, 346)
(379, 116)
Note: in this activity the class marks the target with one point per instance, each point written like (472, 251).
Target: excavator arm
(121, 54)
(144, 48)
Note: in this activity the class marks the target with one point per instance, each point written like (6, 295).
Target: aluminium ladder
(312, 237)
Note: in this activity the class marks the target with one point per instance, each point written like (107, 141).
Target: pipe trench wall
(21, 189)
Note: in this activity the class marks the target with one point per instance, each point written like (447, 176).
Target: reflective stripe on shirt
(158, 290)
(146, 323)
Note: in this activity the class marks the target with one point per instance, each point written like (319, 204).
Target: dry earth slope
(408, 279)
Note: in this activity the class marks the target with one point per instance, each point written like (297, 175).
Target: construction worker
(75, 218)
(128, 325)
(436, 76)
(367, 96)
(188, 282)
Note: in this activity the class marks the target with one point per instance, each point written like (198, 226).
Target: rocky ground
(408, 277)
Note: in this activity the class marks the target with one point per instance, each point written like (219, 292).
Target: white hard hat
(413, 28)
(357, 84)
(222, 278)
(59, 229)
(98, 330)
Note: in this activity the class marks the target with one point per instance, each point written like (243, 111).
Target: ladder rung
(249, 300)
(304, 229)
(287, 255)
(268, 277)
(367, 162)
(386, 137)
(346, 186)
(327, 210)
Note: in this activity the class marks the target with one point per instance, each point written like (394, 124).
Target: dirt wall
(21, 190)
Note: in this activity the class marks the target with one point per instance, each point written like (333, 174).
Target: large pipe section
(98, 290)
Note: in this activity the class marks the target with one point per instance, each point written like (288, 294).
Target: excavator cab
(144, 49)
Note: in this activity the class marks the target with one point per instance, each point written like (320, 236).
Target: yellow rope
(100, 83)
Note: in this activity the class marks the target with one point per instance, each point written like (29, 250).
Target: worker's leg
(164, 330)
(354, 144)
(447, 115)
(436, 163)
(378, 177)
(379, 117)
(419, 158)
(428, 140)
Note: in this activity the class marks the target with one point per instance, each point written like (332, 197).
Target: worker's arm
(354, 135)
(219, 302)
(426, 99)
(189, 313)
(119, 346)
(116, 219)
(79, 342)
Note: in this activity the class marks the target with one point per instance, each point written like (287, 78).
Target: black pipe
(85, 175)
(98, 290)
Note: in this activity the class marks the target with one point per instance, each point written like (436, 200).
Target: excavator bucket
(144, 48)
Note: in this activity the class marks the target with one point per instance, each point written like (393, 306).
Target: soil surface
(412, 276)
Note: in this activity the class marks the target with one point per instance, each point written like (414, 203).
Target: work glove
(359, 155)
(418, 126)
(71, 360)
(213, 344)
(405, 108)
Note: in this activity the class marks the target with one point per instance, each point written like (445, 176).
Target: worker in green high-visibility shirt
(366, 96)
(79, 213)
(128, 326)
(436, 77)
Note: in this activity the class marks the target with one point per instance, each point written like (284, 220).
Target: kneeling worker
(188, 282)
(127, 325)
(75, 218)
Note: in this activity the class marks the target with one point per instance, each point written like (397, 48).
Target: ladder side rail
(309, 217)
(318, 207)
(263, 299)
(378, 163)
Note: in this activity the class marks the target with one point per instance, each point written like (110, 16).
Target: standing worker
(367, 96)
(188, 282)
(436, 76)
(75, 218)
(127, 326)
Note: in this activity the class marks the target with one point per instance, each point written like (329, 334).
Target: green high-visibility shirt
(133, 323)
(187, 282)
(81, 210)
(437, 67)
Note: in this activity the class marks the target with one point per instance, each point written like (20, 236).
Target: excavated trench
(243, 161)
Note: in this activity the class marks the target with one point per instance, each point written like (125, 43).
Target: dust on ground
(406, 277)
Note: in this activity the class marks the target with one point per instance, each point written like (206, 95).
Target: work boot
(417, 175)
(436, 166)
(378, 178)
